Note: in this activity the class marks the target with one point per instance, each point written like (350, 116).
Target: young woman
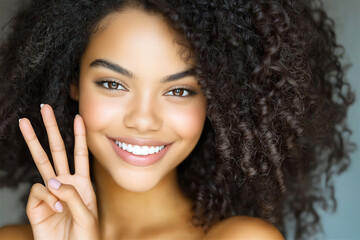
(203, 119)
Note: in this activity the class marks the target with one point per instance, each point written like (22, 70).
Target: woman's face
(135, 87)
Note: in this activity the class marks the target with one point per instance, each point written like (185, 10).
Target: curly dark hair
(277, 100)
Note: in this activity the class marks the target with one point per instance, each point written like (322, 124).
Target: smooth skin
(130, 202)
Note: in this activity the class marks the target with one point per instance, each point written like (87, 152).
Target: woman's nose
(143, 115)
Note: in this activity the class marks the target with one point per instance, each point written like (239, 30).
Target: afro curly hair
(272, 78)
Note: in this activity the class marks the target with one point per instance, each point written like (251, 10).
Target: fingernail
(41, 105)
(20, 119)
(53, 183)
(77, 115)
(59, 206)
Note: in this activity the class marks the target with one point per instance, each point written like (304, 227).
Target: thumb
(68, 194)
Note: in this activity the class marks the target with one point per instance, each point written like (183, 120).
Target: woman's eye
(180, 92)
(110, 85)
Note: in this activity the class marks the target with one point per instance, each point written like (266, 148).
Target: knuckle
(36, 187)
(41, 158)
(52, 124)
(81, 152)
(57, 147)
(50, 198)
(31, 139)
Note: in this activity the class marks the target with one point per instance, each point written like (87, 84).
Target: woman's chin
(136, 183)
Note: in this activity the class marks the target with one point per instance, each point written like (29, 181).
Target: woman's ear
(74, 92)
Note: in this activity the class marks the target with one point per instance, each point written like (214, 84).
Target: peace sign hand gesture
(66, 208)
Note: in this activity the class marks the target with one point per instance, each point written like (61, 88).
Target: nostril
(142, 121)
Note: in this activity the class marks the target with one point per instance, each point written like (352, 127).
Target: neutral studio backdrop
(344, 224)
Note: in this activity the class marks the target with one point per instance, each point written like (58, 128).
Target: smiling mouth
(139, 150)
(140, 155)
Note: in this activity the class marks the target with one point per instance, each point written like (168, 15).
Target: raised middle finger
(56, 142)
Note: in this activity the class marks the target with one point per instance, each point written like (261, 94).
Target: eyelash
(101, 84)
(189, 91)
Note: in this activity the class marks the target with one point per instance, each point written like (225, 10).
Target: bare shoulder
(243, 227)
(18, 232)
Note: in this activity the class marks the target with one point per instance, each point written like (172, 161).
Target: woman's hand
(66, 208)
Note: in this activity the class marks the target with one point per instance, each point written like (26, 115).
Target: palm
(84, 187)
(44, 216)
(78, 219)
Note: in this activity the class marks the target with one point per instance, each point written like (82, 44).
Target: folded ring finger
(56, 142)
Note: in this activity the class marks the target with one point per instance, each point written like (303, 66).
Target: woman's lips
(139, 160)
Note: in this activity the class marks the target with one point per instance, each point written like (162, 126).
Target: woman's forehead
(135, 35)
(139, 41)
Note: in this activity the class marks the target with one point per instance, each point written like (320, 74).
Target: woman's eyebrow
(112, 66)
(119, 69)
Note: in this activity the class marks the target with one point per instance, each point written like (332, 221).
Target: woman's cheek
(96, 111)
(188, 121)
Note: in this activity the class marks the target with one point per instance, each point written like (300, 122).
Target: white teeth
(144, 150)
(136, 150)
(118, 143)
(152, 150)
(139, 150)
(129, 148)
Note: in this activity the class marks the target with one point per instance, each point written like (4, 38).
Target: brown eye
(178, 92)
(113, 85)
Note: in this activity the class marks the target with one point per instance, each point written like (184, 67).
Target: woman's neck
(122, 212)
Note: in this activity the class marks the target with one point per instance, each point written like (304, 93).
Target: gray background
(344, 223)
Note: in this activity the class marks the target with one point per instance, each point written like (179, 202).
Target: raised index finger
(37, 152)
